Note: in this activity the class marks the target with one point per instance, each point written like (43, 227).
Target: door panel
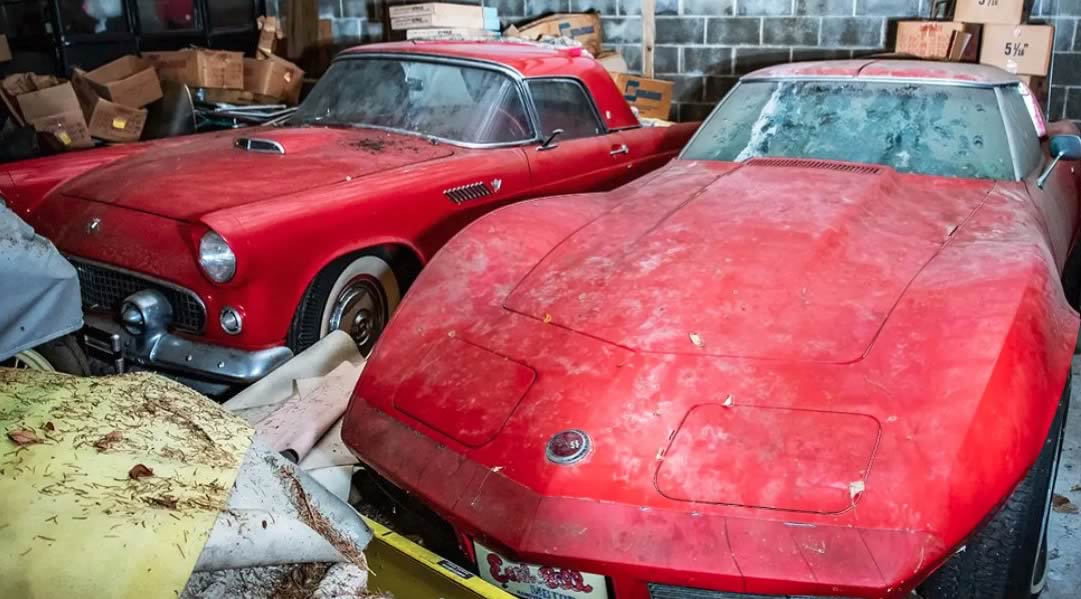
(1058, 203)
(572, 166)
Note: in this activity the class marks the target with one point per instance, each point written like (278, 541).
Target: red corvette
(824, 353)
(217, 257)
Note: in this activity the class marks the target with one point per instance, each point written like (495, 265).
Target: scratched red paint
(922, 317)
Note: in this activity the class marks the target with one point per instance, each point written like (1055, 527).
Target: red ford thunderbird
(823, 353)
(217, 257)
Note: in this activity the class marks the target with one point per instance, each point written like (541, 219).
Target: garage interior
(547, 299)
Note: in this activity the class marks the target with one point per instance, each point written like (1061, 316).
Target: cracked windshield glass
(446, 101)
(943, 130)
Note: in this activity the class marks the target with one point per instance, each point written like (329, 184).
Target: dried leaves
(105, 443)
(166, 501)
(139, 471)
(23, 437)
(1063, 505)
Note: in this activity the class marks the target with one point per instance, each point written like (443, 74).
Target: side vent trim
(464, 193)
(255, 144)
(819, 164)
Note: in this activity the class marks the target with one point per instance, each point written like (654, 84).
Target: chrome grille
(821, 164)
(464, 193)
(104, 288)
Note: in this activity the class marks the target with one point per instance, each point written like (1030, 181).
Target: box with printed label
(1002, 12)
(436, 14)
(652, 97)
(198, 67)
(107, 120)
(1018, 49)
(581, 27)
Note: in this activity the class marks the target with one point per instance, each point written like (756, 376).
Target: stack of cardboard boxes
(441, 19)
(229, 77)
(652, 98)
(992, 32)
(106, 103)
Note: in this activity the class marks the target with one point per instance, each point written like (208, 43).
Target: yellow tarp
(73, 521)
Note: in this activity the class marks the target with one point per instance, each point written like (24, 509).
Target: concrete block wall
(703, 46)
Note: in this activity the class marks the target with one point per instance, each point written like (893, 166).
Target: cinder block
(737, 31)
(852, 32)
(771, 8)
(790, 31)
(681, 30)
(708, 60)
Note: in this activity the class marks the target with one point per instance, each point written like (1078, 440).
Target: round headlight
(216, 258)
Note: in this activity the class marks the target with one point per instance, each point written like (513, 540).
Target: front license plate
(531, 581)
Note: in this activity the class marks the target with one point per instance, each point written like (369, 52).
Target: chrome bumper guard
(158, 350)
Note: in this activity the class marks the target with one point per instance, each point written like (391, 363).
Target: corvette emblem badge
(568, 447)
(496, 184)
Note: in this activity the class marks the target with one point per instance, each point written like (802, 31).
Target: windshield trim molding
(862, 79)
(515, 76)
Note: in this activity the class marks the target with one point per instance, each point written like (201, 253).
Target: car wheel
(355, 294)
(1007, 558)
(59, 355)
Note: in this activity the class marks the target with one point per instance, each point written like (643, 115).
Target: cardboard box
(652, 97)
(581, 27)
(613, 62)
(273, 77)
(50, 107)
(1038, 86)
(1003, 12)
(1019, 49)
(198, 67)
(939, 40)
(65, 130)
(436, 14)
(270, 33)
(427, 33)
(107, 120)
(128, 80)
(5, 49)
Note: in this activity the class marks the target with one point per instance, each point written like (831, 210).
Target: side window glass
(564, 105)
(1022, 130)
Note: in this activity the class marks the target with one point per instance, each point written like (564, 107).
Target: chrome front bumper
(158, 350)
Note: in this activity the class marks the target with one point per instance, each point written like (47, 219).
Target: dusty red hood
(778, 259)
(207, 173)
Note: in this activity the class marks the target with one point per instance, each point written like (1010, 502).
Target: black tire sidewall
(998, 561)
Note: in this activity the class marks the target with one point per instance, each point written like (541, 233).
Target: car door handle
(620, 149)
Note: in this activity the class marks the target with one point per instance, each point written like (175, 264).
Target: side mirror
(549, 142)
(1063, 147)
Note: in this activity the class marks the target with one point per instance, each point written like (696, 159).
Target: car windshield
(943, 130)
(448, 101)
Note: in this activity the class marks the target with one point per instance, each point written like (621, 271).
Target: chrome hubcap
(28, 359)
(360, 311)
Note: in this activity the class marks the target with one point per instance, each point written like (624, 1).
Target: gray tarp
(39, 289)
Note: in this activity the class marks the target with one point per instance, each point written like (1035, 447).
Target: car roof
(877, 68)
(527, 58)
